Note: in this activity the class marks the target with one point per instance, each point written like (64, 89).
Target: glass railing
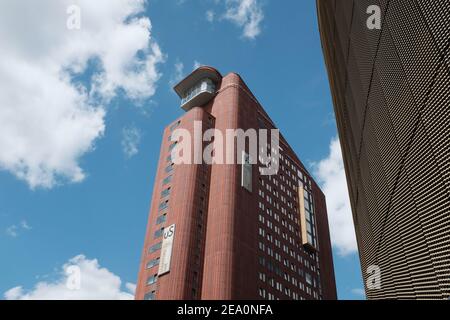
(205, 85)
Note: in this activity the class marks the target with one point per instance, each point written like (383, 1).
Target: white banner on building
(166, 250)
(246, 174)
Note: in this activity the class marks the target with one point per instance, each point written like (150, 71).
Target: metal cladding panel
(393, 119)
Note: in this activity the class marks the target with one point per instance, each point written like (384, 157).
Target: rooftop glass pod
(199, 93)
(198, 88)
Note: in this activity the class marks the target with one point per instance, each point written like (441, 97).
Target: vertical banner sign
(166, 250)
(246, 174)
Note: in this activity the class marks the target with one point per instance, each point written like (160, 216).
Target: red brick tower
(226, 238)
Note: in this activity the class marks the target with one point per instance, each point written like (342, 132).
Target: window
(152, 263)
(261, 246)
(261, 219)
(155, 247)
(169, 168)
(165, 193)
(175, 125)
(152, 279)
(262, 261)
(158, 233)
(277, 256)
(204, 85)
(164, 205)
(308, 278)
(261, 232)
(287, 292)
(262, 277)
(173, 145)
(161, 219)
(279, 286)
(167, 180)
(262, 293)
(150, 295)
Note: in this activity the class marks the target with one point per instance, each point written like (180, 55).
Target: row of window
(282, 198)
(160, 220)
(287, 165)
(269, 237)
(293, 228)
(295, 296)
(276, 216)
(291, 280)
(285, 248)
(309, 217)
(287, 181)
(285, 223)
(310, 224)
(291, 224)
(288, 186)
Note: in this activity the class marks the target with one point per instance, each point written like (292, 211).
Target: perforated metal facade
(391, 94)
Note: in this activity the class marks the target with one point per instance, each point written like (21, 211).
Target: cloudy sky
(81, 116)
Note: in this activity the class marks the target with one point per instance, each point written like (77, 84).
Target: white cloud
(197, 64)
(210, 15)
(48, 121)
(131, 137)
(178, 73)
(247, 14)
(24, 224)
(95, 283)
(331, 175)
(131, 287)
(14, 230)
(358, 292)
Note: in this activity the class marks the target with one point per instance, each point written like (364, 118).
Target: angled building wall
(391, 94)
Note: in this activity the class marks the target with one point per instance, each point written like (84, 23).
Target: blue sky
(94, 201)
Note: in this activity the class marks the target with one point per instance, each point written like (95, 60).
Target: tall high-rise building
(389, 69)
(225, 231)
